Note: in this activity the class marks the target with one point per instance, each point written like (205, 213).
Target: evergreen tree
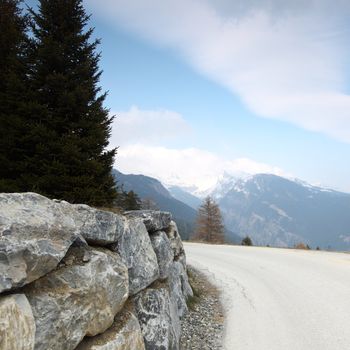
(67, 158)
(209, 227)
(127, 200)
(132, 201)
(14, 105)
(247, 241)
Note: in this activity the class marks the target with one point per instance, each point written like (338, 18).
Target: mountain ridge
(183, 213)
(147, 187)
(278, 211)
(271, 209)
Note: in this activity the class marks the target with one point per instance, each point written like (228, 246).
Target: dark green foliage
(54, 129)
(66, 156)
(247, 241)
(132, 201)
(128, 200)
(14, 104)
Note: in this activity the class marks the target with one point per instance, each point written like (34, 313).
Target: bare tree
(209, 226)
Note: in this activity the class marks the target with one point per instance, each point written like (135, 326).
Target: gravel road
(279, 299)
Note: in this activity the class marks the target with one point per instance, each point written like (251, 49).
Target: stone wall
(74, 277)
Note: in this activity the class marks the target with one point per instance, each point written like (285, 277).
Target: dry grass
(201, 287)
(301, 246)
(192, 301)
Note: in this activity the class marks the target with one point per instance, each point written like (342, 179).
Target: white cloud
(139, 134)
(147, 126)
(185, 167)
(286, 62)
(249, 166)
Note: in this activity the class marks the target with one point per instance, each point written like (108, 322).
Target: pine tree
(67, 158)
(247, 241)
(209, 227)
(14, 106)
(132, 201)
(127, 200)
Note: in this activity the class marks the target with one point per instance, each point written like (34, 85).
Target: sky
(200, 88)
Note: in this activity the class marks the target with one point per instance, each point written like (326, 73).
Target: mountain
(225, 183)
(184, 214)
(185, 197)
(270, 209)
(149, 188)
(281, 212)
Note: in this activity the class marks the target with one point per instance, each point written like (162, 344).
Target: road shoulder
(203, 325)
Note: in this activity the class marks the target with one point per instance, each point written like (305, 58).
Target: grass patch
(192, 301)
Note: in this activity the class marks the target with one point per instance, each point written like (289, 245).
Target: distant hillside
(149, 188)
(194, 202)
(185, 197)
(277, 211)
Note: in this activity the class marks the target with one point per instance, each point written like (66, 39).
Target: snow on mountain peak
(227, 182)
(312, 187)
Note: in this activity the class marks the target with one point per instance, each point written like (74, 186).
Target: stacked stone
(74, 277)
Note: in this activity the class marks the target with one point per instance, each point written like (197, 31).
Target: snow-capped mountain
(281, 212)
(180, 203)
(226, 182)
(217, 190)
(270, 209)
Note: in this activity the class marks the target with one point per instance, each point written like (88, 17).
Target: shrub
(247, 241)
(301, 246)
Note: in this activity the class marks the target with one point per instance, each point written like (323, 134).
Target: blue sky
(203, 87)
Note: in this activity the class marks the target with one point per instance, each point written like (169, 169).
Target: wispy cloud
(286, 61)
(185, 167)
(147, 126)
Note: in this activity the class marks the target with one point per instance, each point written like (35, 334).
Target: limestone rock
(175, 239)
(81, 298)
(97, 226)
(175, 287)
(164, 253)
(35, 234)
(125, 334)
(136, 250)
(185, 284)
(154, 220)
(178, 251)
(17, 326)
(180, 288)
(181, 270)
(158, 319)
(182, 260)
